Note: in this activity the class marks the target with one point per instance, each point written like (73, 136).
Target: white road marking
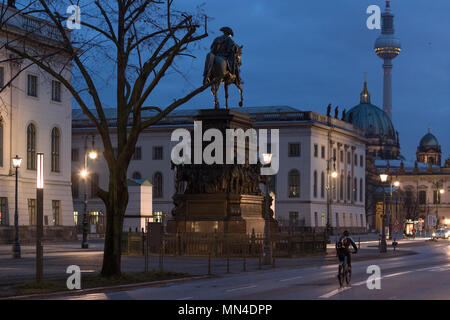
(334, 292)
(396, 274)
(292, 278)
(242, 288)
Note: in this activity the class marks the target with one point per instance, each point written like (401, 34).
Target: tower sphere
(387, 46)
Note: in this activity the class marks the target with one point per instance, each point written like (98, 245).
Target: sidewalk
(57, 257)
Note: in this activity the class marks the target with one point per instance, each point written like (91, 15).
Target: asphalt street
(425, 275)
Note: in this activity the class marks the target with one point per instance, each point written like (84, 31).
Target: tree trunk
(116, 204)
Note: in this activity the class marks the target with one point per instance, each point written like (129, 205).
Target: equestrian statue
(223, 64)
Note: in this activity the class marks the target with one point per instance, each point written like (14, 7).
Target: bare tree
(141, 39)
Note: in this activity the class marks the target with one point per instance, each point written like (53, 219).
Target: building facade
(35, 117)
(308, 144)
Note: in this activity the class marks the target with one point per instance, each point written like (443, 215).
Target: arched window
(361, 190)
(55, 149)
(157, 185)
(294, 184)
(136, 175)
(322, 185)
(31, 147)
(315, 184)
(1, 142)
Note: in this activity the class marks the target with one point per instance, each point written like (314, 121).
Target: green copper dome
(372, 119)
(429, 140)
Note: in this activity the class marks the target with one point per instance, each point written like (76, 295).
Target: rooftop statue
(223, 65)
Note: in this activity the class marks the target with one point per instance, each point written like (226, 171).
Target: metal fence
(223, 244)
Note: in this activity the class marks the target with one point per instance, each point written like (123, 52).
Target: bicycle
(344, 273)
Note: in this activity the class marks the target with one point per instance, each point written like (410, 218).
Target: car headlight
(434, 234)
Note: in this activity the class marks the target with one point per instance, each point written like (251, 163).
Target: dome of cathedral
(429, 140)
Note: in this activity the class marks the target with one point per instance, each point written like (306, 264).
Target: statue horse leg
(214, 90)
(225, 84)
(238, 85)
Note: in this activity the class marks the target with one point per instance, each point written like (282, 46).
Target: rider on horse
(225, 47)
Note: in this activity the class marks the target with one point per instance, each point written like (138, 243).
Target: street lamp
(267, 159)
(39, 215)
(384, 178)
(17, 161)
(84, 173)
(333, 175)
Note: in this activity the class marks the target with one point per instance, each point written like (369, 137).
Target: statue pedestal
(221, 198)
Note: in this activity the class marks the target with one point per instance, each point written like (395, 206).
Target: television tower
(387, 47)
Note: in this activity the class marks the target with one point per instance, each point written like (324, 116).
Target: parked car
(441, 234)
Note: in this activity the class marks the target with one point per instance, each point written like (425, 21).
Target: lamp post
(39, 216)
(439, 193)
(92, 154)
(267, 158)
(17, 161)
(384, 178)
(333, 174)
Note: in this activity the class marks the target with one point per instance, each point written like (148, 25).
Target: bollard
(209, 263)
(245, 262)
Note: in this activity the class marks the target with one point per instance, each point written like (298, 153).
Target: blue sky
(307, 54)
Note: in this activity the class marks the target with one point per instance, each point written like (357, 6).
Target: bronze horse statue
(217, 70)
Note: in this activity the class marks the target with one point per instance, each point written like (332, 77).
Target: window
(75, 155)
(349, 158)
(56, 210)
(334, 154)
(55, 149)
(316, 221)
(436, 197)
(337, 219)
(32, 211)
(322, 152)
(294, 184)
(422, 197)
(351, 219)
(361, 160)
(344, 219)
(293, 219)
(1, 143)
(349, 186)
(2, 77)
(136, 175)
(341, 187)
(294, 149)
(75, 186)
(361, 190)
(157, 185)
(355, 189)
(362, 220)
(32, 85)
(323, 219)
(137, 155)
(322, 185)
(75, 217)
(56, 91)
(316, 150)
(157, 153)
(341, 154)
(3, 211)
(315, 184)
(356, 160)
(31, 147)
(94, 185)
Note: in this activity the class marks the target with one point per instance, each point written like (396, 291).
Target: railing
(226, 245)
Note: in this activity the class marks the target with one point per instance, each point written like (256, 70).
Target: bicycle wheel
(348, 275)
(341, 275)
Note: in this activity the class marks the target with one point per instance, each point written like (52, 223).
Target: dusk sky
(307, 54)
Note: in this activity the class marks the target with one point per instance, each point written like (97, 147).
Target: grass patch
(90, 281)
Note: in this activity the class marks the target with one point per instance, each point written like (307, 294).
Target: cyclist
(342, 249)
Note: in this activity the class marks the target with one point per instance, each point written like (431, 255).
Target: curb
(103, 289)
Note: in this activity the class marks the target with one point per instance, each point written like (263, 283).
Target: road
(425, 275)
